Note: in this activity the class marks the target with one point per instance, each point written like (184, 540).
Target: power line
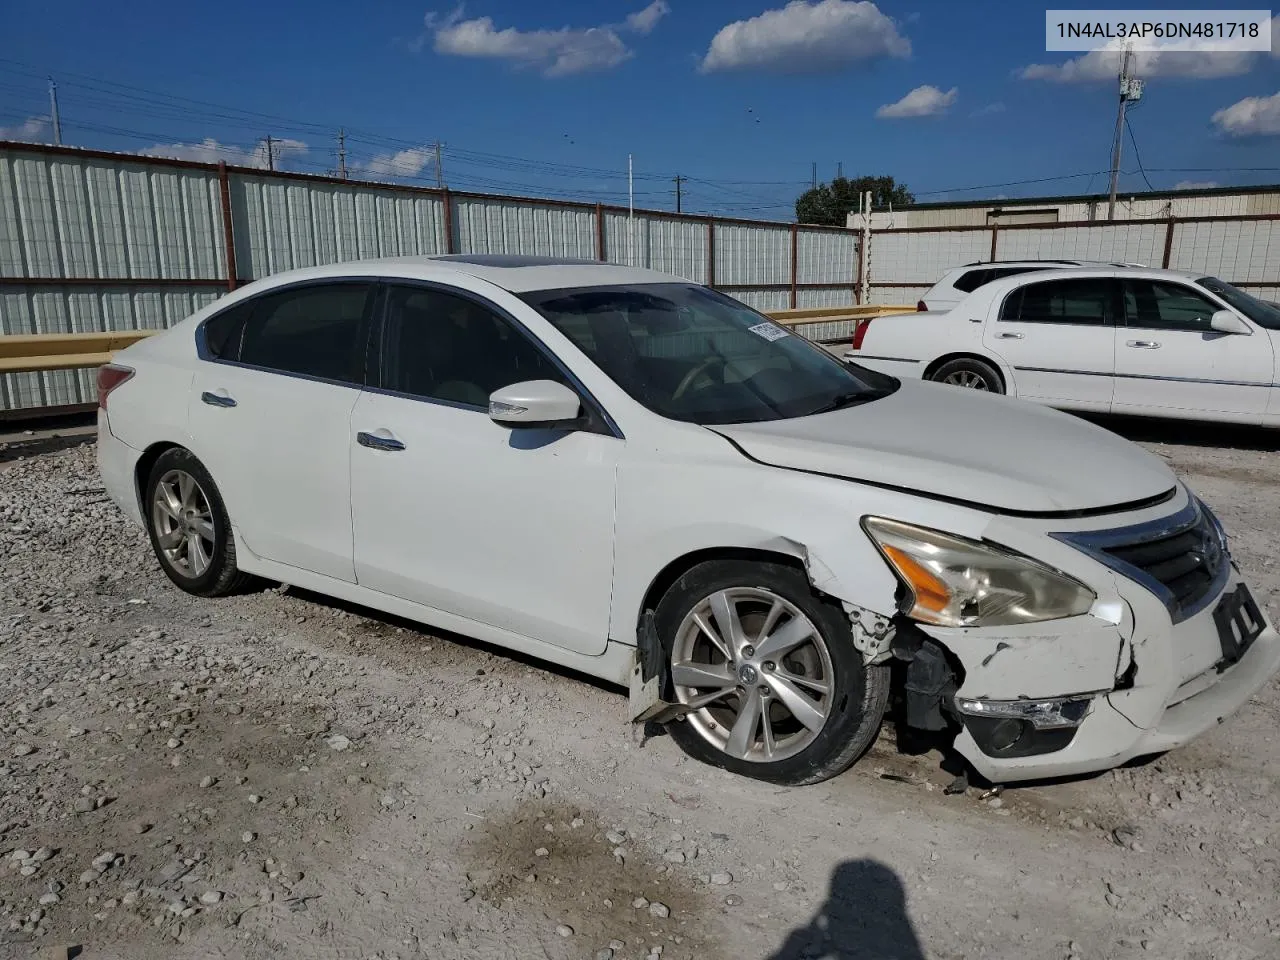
(1137, 155)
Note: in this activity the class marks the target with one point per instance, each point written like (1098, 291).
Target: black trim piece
(971, 504)
(855, 356)
(1147, 376)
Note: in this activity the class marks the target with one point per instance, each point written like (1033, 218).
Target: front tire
(970, 373)
(189, 528)
(780, 692)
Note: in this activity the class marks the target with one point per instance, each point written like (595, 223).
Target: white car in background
(647, 481)
(958, 282)
(1126, 340)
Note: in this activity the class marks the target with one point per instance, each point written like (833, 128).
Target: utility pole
(439, 165)
(342, 153)
(839, 170)
(271, 162)
(815, 174)
(678, 180)
(631, 214)
(1130, 92)
(53, 112)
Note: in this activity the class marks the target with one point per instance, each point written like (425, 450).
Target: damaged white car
(642, 479)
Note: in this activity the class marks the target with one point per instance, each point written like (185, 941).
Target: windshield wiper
(842, 400)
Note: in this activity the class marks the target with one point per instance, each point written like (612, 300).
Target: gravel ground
(278, 775)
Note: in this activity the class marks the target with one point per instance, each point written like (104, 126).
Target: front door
(511, 528)
(269, 414)
(1059, 338)
(1168, 357)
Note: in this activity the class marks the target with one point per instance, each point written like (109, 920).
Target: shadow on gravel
(1190, 433)
(864, 918)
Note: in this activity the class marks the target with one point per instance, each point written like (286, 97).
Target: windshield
(1263, 314)
(692, 354)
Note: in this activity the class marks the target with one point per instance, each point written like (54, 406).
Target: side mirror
(534, 403)
(1224, 321)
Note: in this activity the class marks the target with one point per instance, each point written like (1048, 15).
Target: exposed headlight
(955, 582)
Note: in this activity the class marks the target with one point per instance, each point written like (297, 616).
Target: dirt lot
(275, 776)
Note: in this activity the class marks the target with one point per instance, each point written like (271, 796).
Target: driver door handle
(1143, 344)
(380, 440)
(1011, 336)
(219, 398)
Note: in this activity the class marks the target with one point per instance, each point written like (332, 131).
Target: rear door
(1169, 359)
(1059, 338)
(269, 415)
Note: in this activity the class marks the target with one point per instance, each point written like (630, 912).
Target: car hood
(963, 445)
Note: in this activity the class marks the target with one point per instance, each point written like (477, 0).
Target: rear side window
(222, 332)
(1086, 301)
(314, 331)
(971, 280)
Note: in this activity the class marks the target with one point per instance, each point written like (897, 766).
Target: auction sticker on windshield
(770, 331)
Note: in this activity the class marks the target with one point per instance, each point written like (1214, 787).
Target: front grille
(1182, 560)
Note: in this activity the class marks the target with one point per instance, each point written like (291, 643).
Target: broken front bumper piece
(1084, 695)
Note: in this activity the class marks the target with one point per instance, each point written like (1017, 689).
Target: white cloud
(403, 163)
(1250, 117)
(926, 101)
(32, 130)
(209, 150)
(643, 21)
(555, 53)
(1173, 61)
(1195, 184)
(806, 37)
(989, 109)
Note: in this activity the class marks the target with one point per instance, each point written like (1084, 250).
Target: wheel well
(677, 568)
(930, 370)
(142, 469)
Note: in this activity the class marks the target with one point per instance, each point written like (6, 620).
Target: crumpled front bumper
(1178, 686)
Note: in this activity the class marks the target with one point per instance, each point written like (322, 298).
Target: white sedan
(1138, 341)
(647, 481)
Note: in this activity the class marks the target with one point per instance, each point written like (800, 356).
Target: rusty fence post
(448, 221)
(711, 252)
(995, 231)
(600, 231)
(1168, 244)
(228, 232)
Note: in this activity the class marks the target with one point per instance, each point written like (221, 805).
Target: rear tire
(970, 373)
(793, 703)
(189, 528)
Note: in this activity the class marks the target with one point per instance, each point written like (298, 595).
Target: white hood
(964, 445)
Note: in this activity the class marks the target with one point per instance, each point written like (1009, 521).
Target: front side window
(447, 347)
(1086, 301)
(689, 353)
(1264, 314)
(315, 331)
(1156, 305)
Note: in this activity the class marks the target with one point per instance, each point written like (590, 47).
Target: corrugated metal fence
(93, 241)
(1243, 250)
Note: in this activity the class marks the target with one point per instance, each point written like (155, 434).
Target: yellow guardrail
(31, 353)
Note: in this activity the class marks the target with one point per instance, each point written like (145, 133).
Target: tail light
(860, 332)
(110, 376)
(921, 307)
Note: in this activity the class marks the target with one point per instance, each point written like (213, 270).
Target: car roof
(514, 273)
(1078, 273)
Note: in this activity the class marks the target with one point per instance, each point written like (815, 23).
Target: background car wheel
(781, 694)
(188, 526)
(971, 374)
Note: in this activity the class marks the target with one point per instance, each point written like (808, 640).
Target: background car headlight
(955, 582)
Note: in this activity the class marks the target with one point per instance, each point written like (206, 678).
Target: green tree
(831, 203)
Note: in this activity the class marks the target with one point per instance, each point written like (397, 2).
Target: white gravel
(420, 796)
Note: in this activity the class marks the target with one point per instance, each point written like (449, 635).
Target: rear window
(973, 279)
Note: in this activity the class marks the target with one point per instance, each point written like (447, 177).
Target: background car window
(447, 347)
(1085, 301)
(971, 280)
(1165, 306)
(316, 331)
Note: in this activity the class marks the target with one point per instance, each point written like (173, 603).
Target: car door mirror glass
(534, 403)
(1225, 321)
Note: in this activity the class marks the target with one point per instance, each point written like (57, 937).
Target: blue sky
(549, 99)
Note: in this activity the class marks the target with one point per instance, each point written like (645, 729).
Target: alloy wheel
(183, 523)
(757, 672)
(967, 379)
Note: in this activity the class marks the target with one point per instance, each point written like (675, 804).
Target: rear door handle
(1011, 336)
(219, 399)
(381, 440)
(1143, 344)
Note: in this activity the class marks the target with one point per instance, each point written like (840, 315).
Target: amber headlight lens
(955, 582)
